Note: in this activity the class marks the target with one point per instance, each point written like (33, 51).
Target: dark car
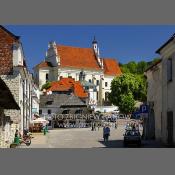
(132, 137)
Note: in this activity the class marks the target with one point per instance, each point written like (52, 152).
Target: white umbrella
(40, 120)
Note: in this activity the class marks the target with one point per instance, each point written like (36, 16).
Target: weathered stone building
(161, 92)
(7, 128)
(154, 98)
(14, 72)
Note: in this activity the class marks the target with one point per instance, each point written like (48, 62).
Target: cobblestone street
(82, 138)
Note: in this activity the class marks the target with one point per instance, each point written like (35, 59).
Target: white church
(81, 64)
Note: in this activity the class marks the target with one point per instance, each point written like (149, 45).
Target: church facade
(71, 62)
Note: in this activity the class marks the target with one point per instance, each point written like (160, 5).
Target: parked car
(132, 137)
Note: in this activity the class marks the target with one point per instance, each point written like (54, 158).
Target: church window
(47, 77)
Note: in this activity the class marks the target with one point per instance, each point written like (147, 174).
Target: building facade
(65, 96)
(68, 61)
(154, 99)
(162, 91)
(14, 72)
(35, 100)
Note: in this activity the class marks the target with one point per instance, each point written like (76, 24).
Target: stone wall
(7, 130)
(12, 81)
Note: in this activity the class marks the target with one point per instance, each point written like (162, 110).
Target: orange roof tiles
(44, 64)
(65, 84)
(111, 67)
(79, 90)
(77, 57)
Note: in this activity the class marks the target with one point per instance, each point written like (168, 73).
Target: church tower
(97, 52)
(95, 46)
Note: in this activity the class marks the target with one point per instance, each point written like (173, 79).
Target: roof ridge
(78, 47)
(10, 33)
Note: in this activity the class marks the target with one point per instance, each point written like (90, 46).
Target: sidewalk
(39, 141)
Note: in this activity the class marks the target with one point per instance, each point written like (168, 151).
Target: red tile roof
(44, 64)
(111, 67)
(65, 84)
(77, 57)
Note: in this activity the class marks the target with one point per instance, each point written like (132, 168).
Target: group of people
(132, 126)
(95, 125)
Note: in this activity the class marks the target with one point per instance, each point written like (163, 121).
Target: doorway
(170, 127)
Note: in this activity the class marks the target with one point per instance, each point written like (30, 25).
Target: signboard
(144, 115)
(144, 109)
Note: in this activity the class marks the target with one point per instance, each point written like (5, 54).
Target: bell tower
(95, 46)
(97, 52)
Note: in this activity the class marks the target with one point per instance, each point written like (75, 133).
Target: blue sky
(123, 42)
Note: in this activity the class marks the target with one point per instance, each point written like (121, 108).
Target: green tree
(46, 86)
(125, 69)
(125, 87)
(141, 67)
(127, 103)
(132, 66)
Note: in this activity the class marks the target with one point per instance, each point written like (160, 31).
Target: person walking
(115, 125)
(98, 126)
(92, 126)
(106, 133)
(95, 126)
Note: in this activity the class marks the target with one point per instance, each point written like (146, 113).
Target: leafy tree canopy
(46, 86)
(137, 67)
(131, 86)
(126, 89)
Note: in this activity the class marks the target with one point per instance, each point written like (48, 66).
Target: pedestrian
(106, 133)
(92, 126)
(17, 133)
(115, 125)
(98, 126)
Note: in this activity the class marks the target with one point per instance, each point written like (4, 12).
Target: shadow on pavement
(113, 143)
(119, 144)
